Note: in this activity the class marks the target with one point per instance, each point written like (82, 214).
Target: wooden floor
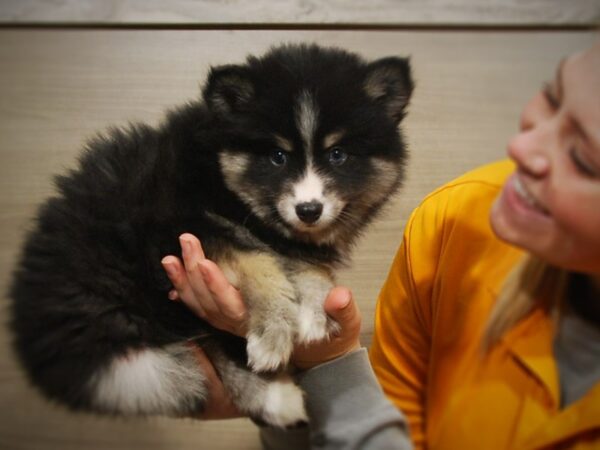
(58, 87)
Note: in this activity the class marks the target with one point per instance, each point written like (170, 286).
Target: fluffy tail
(165, 381)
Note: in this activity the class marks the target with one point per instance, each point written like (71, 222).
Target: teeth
(527, 197)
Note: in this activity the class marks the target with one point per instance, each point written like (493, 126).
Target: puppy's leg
(275, 399)
(272, 308)
(312, 287)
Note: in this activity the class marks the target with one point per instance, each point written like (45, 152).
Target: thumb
(340, 305)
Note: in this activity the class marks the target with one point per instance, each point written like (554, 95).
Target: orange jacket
(429, 321)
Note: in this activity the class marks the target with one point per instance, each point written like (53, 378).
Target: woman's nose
(530, 147)
(534, 111)
(528, 150)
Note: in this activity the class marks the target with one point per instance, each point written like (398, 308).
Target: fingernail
(347, 296)
(172, 295)
(170, 269)
(186, 246)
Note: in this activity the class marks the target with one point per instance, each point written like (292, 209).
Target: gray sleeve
(347, 410)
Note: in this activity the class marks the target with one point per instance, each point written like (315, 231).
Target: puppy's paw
(333, 328)
(315, 325)
(269, 350)
(283, 404)
(312, 325)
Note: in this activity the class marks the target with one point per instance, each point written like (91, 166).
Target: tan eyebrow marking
(283, 143)
(333, 138)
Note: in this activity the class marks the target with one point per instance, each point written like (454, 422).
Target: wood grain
(59, 87)
(372, 12)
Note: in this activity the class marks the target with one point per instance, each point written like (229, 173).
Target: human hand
(342, 308)
(194, 280)
(218, 404)
(201, 285)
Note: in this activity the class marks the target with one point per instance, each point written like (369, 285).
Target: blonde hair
(531, 283)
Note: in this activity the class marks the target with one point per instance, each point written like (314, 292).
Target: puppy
(278, 168)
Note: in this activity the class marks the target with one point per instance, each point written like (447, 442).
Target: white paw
(333, 328)
(267, 354)
(312, 325)
(284, 403)
(315, 325)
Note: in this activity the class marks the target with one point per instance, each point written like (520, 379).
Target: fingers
(200, 304)
(202, 286)
(193, 255)
(343, 309)
(229, 299)
(176, 273)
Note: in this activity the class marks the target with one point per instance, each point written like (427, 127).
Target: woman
(488, 326)
(473, 369)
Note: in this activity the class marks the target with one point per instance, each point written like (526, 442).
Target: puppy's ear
(389, 82)
(229, 89)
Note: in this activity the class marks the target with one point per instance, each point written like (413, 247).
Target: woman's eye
(581, 165)
(337, 156)
(278, 158)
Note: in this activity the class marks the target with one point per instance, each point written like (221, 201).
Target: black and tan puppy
(277, 169)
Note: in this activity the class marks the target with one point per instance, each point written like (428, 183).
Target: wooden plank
(59, 87)
(312, 12)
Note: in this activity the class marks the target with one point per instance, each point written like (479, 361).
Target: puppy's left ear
(229, 89)
(389, 81)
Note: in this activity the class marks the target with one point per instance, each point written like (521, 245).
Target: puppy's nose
(309, 212)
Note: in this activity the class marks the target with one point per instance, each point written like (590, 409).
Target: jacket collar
(530, 343)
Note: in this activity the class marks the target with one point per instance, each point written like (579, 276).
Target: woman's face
(551, 205)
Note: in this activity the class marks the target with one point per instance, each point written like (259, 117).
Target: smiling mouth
(526, 196)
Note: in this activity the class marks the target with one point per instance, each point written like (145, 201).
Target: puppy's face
(312, 146)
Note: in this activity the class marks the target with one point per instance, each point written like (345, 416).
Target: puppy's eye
(337, 156)
(278, 158)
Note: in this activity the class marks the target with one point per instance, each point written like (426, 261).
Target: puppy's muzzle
(309, 212)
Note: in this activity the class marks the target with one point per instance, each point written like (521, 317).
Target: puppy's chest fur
(284, 293)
